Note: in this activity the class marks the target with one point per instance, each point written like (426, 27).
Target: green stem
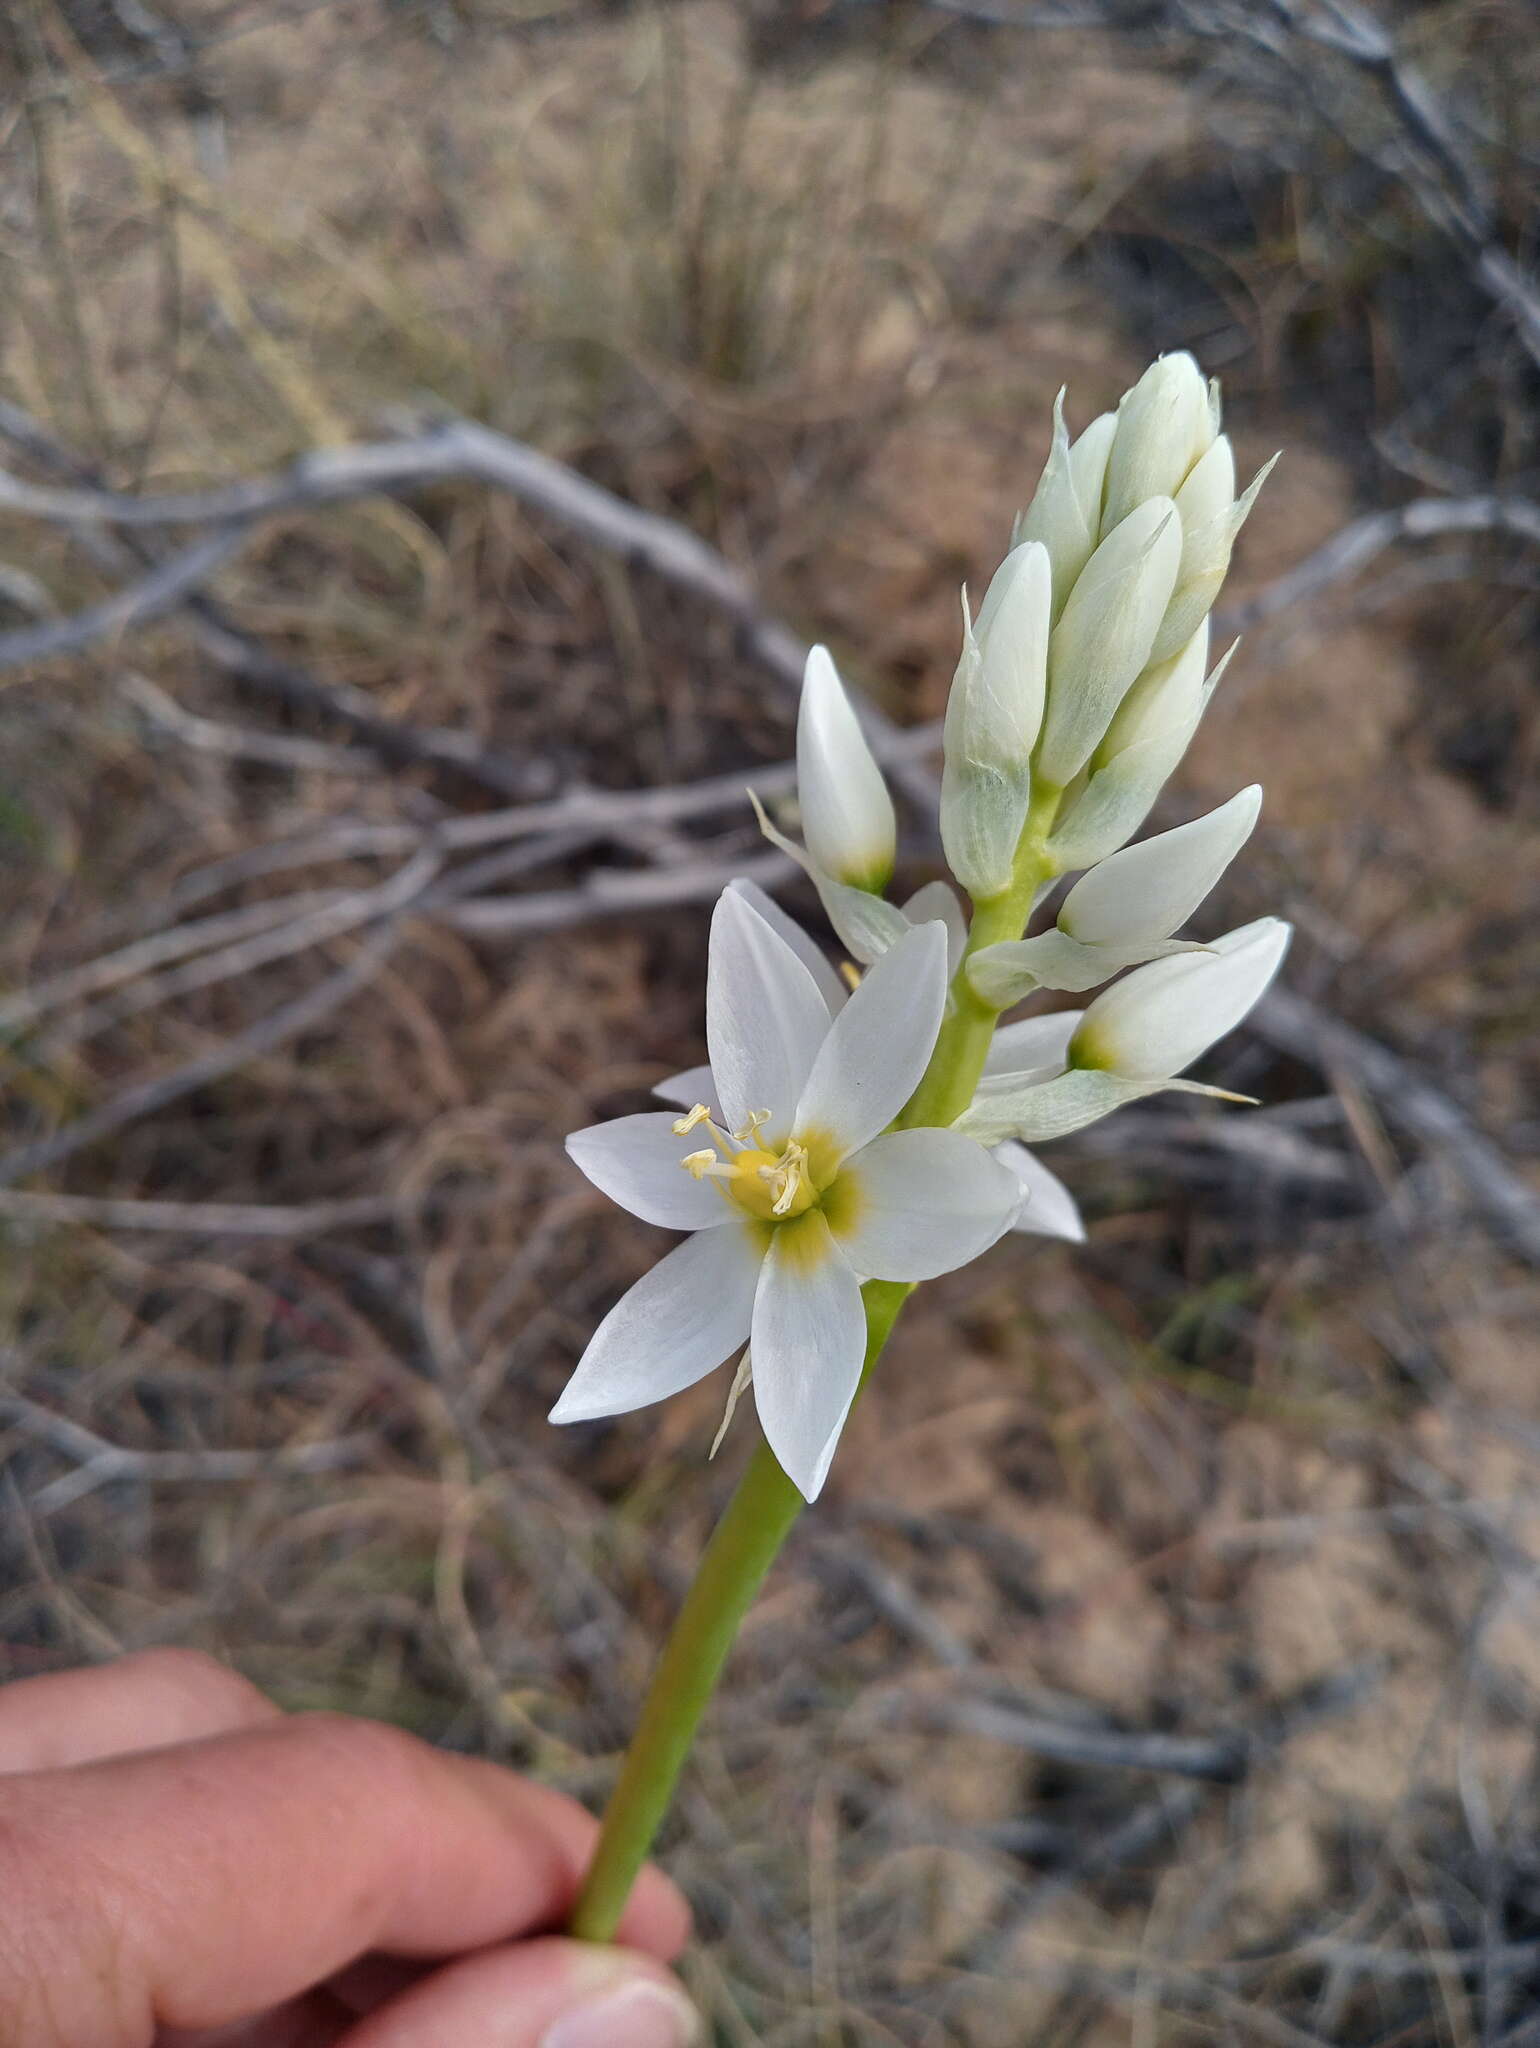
(741, 1551)
(760, 1514)
(963, 1045)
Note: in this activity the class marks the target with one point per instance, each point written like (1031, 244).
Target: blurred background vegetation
(1162, 1663)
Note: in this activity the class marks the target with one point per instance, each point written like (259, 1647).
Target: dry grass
(1262, 1459)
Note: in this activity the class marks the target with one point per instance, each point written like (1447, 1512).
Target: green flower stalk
(853, 1137)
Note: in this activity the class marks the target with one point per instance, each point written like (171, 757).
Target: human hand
(183, 1866)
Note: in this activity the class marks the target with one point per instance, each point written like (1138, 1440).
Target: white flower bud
(1103, 640)
(1159, 1019)
(1209, 491)
(1164, 424)
(1003, 1108)
(1165, 703)
(1211, 517)
(992, 721)
(1124, 911)
(847, 814)
(1145, 742)
(1147, 891)
(1065, 512)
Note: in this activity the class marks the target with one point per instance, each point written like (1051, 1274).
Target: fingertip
(550, 1993)
(657, 1918)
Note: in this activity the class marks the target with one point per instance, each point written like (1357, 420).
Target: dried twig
(205, 1219)
(343, 912)
(159, 591)
(163, 714)
(455, 448)
(1306, 1032)
(240, 654)
(1424, 154)
(146, 1098)
(100, 1462)
(1353, 547)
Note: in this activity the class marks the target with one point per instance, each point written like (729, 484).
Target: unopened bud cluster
(1082, 678)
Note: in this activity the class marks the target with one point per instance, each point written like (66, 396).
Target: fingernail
(640, 2014)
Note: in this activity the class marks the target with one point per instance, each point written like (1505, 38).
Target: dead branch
(204, 1219)
(453, 449)
(162, 713)
(330, 919)
(165, 587)
(146, 1098)
(1425, 156)
(1294, 1025)
(601, 893)
(1353, 547)
(1219, 1758)
(241, 655)
(100, 1462)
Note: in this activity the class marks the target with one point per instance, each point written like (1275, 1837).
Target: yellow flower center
(770, 1185)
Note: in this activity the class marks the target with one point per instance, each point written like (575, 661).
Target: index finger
(192, 1886)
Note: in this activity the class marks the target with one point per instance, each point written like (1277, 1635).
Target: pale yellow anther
(683, 1125)
(699, 1164)
(851, 973)
(756, 1119)
(786, 1176)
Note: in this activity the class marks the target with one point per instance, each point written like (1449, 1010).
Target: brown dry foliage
(808, 284)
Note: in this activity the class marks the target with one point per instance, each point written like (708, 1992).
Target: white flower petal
(1065, 513)
(765, 1019)
(1207, 494)
(993, 715)
(1164, 426)
(921, 1203)
(809, 1342)
(831, 985)
(1102, 643)
(1049, 1209)
(1032, 1042)
(679, 1322)
(635, 1161)
(693, 1085)
(879, 1044)
(847, 814)
(1160, 1018)
(1166, 701)
(939, 900)
(1147, 891)
(1210, 523)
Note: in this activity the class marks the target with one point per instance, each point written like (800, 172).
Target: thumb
(537, 1994)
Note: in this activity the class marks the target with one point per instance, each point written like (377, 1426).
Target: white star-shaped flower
(1037, 1044)
(791, 1185)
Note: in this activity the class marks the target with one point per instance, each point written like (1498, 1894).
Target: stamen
(700, 1114)
(851, 973)
(757, 1118)
(786, 1177)
(698, 1164)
